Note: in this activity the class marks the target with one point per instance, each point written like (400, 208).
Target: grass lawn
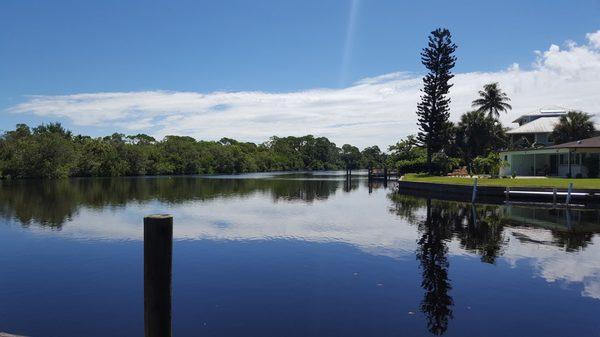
(516, 182)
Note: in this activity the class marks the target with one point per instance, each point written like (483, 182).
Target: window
(563, 159)
(575, 159)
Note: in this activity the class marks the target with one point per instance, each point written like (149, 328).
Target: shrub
(489, 165)
(441, 163)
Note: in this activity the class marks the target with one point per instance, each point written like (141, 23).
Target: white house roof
(550, 111)
(540, 125)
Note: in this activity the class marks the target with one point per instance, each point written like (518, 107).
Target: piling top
(159, 216)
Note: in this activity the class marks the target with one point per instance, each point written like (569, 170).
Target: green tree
(350, 156)
(492, 100)
(433, 111)
(405, 149)
(573, 126)
(476, 134)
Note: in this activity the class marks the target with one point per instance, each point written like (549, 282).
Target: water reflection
(53, 202)
(432, 255)
(367, 229)
(481, 229)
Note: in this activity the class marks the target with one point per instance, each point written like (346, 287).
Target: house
(536, 128)
(535, 154)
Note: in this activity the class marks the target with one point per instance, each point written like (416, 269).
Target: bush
(417, 165)
(444, 163)
(489, 165)
(441, 163)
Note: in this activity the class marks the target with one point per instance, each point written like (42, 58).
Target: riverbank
(537, 182)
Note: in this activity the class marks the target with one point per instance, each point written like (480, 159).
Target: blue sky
(59, 47)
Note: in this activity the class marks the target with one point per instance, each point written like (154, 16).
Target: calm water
(293, 255)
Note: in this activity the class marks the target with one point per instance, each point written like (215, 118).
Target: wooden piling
(569, 191)
(474, 194)
(158, 255)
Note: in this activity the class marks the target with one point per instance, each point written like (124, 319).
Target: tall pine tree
(433, 110)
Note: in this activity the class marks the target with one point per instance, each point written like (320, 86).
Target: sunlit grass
(585, 183)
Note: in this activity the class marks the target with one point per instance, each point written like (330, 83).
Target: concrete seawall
(496, 193)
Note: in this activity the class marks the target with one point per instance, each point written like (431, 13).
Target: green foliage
(492, 100)
(372, 157)
(416, 165)
(406, 149)
(350, 156)
(45, 151)
(477, 135)
(573, 126)
(50, 151)
(444, 163)
(433, 111)
(440, 164)
(490, 164)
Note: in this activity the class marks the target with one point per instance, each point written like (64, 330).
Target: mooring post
(385, 173)
(554, 192)
(507, 193)
(474, 195)
(158, 254)
(569, 190)
(568, 217)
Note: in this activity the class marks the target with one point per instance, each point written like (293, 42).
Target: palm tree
(575, 125)
(492, 100)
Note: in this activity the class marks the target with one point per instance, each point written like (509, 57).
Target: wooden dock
(381, 174)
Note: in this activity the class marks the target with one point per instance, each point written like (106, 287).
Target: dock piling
(474, 195)
(569, 191)
(554, 193)
(158, 257)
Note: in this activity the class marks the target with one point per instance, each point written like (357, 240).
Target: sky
(348, 70)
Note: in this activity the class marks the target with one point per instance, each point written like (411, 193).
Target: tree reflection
(479, 229)
(432, 255)
(53, 202)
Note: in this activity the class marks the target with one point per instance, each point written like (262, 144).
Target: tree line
(51, 151)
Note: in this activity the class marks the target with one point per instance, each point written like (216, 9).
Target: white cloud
(594, 39)
(377, 110)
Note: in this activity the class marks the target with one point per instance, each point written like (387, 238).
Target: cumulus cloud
(378, 110)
